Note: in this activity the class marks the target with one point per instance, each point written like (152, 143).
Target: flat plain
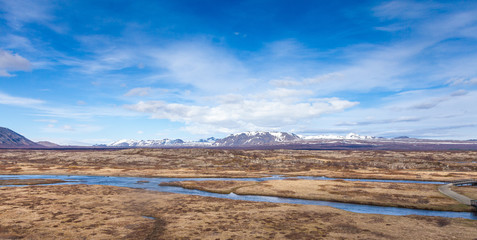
(106, 212)
(407, 195)
(404, 165)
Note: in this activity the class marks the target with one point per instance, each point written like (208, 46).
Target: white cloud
(67, 128)
(19, 101)
(310, 81)
(244, 114)
(12, 62)
(283, 94)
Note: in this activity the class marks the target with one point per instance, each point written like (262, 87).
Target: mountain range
(244, 139)
(256, 138)
(145, 143)
(263, 140)
(284, 140)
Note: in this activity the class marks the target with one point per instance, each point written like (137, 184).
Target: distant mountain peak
(145, 143)
(48, 144)
(257, 138)
(11, 139)
(349, 136)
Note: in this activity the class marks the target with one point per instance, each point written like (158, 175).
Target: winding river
(153, 184)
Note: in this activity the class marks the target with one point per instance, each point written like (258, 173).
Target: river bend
(153, 184)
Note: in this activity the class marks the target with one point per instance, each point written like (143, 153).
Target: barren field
(467, 191)
(435, 166)
(105, 212)
(29, 181)
(408, 195)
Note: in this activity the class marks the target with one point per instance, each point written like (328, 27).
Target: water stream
(153, 184)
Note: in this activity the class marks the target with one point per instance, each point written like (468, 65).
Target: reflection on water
(153, 184)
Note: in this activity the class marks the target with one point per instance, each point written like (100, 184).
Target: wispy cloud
(138, 92)
(19, 101)
(201, 65)
(51, 121)
(21, 12)
(12, 62)
(407, 65)
(381, 121)
(404, 9)
(463, 81)
(66, 128)
(149, 91)
(46, 109)
(406, 113)
(434, 101)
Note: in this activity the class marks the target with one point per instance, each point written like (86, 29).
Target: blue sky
(85, 72)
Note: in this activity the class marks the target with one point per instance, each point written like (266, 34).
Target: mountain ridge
(256, 138)
(12, 139)
(251, 138)
(262, 140)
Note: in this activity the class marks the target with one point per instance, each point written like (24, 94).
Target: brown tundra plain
(106, 212)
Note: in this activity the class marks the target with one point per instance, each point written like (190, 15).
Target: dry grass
(408, 195)
(437, 165)
(105, 212)
(467, 191)
(29, 181)
(224, 187)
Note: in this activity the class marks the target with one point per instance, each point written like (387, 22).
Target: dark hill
(11, 139)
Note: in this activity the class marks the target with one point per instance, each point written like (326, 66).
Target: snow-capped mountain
(145, 143)
(350, 136)
(256, 138)
(292, 141)
(238, 140)
(208, 140)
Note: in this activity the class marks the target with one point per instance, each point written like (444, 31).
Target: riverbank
(106, 212)
(406, 195)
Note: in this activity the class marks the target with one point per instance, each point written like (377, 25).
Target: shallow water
(152, 184)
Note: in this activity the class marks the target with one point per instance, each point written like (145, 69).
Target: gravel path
(446, 189)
